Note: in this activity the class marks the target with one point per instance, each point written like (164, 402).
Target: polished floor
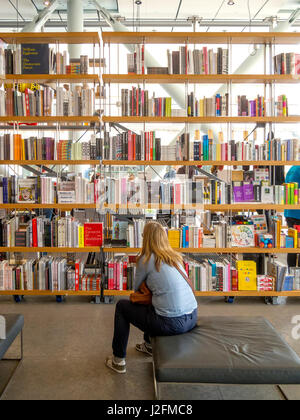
(65, 345)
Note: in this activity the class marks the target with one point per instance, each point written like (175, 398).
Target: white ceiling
(161, 9)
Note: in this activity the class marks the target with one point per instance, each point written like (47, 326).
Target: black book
(35, 58)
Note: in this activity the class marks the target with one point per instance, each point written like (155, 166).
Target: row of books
(119, 273)
(251, 108)
(124, 191)
(286, 63)
(275, 149)
(27, 102)
(43, 232)
(217, 106)
(137, 102)
(136, 60)
(262, 191)
(43, 190)
(33, 59)
(77, 102)
(282, 237)
(281, 106)
(14, 147)
(205, 61)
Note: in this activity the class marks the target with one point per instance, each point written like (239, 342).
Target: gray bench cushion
(14, 324)
(226, 350)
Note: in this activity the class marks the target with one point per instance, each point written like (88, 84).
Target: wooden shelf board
(233, 250)
(50, 293)
(212, 207)
(200, 37)
(49, 162)
(50, 78)
(200, 78)
(203, 120)
(52, 119)
(48, 206)
(50, 37)
(199, 162)
(249, 293)
(50, 249)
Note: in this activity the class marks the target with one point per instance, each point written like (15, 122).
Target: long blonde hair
(155, 241)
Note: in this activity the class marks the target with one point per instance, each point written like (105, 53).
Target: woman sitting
(174, 307)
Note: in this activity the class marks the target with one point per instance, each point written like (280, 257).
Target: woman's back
(171, 294)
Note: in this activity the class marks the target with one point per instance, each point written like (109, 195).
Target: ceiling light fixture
(230, 3)
(46, 3)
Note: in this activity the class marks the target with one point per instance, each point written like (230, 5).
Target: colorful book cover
(242, 236)
(246, 275)
(93, 234)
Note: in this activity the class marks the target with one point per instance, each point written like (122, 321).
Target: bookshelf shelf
(64, 207)
(52, 119)
(202, 78)
(51, 37)
(193, 120)
(284, 38)
(50, 78)
(198, 162)
(49, 249)
(211, 207)
(49, 293)
(128, 293)
(212, 250)
(50, 162)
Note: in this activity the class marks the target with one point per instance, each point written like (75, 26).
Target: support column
(75, 24)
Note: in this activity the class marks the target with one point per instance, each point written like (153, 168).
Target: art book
(26, 191)
(242, 236)
(246, 275)
(93, 234)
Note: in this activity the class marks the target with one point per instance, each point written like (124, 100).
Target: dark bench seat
(226, 350)
(14, 327)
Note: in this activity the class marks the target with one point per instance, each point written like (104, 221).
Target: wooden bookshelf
(233, 250)
(52, 78)
(284, 38)
(49, 292)
(50, 162)
(50, 249)
(212, 207)
(50, 37)
(107, 292)
(63, 207)
(201, 120)
(52, 119)
(200, 78)
(200, 163)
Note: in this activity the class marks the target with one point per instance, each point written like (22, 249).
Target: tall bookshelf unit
(56, 124)
(268, 41)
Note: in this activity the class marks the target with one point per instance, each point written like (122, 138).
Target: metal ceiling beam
(94, 23)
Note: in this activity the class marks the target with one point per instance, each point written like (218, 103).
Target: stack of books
(187, 61)
(217, 106)
(251, 108)
(138, 103)
(287, 63)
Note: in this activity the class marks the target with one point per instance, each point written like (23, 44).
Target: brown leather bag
(143, 296)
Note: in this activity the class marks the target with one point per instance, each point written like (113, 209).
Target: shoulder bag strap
(186, 279)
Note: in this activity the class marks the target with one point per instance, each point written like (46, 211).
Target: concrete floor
(65, 345)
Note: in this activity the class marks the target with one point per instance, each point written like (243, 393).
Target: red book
(134, 147)
(77, 269)
(27, 111)
(34, 233)
(297, 63)
(110, 275)
(93, 234)
(151, 145)
(125, 266)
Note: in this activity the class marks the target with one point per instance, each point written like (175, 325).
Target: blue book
(5, 190)
(288, 283)
(289, 242)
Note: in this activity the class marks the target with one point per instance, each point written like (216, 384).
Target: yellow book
(174, 238)
(246, 275)
(218, 155)
(23, 149)
(81, 236)
(294, 234)
(201, 108)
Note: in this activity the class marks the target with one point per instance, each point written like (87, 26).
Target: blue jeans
(146, 319)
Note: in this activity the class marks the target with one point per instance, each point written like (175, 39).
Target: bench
(225, 350)
(14, 326)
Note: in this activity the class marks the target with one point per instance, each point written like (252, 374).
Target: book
(246, 275)
(93, 234)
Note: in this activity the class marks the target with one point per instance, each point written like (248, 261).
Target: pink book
(117, 277)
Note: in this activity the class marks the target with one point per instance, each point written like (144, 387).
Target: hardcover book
(93, 234)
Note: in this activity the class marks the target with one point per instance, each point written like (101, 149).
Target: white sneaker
(144, 348)
(117, 367)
